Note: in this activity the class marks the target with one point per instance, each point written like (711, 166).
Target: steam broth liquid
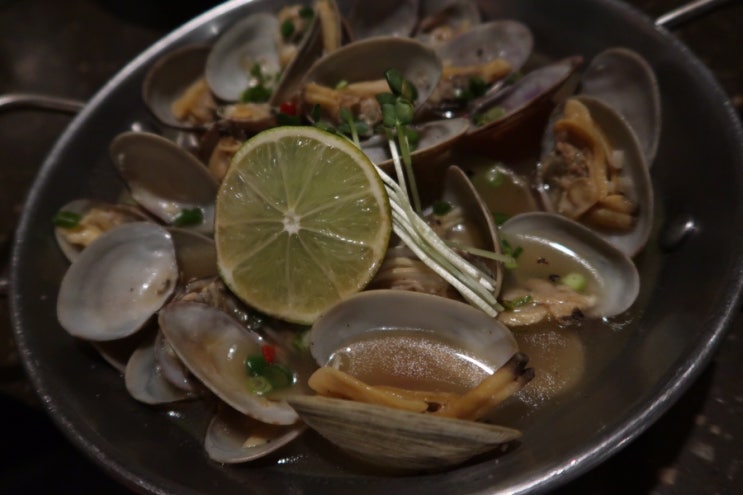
(410, 359)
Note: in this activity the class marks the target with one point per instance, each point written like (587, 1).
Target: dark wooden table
(72, 47)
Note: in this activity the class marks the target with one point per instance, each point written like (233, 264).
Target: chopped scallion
(67, 219)
(441, 208)
(188, 217)
(575, 281)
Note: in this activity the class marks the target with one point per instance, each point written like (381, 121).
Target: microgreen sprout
(397, 113)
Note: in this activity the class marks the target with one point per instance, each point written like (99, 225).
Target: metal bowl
(692, 276)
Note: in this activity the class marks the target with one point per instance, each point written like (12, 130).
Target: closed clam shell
(399, 439)
(118, 282)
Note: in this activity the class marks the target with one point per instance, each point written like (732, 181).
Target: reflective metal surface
(679, 330)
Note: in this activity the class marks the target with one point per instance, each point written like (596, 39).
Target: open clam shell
(459, 191)
(214, 346)
(383, 18)
(317, 42)
(169, 78)
(164, 178)
(525, 99)
(249, 42)
(632, 174)
(507, 39)
(145, 380)
(624, 80)
(379, 311)
(367, 60)
(233, 437)
(442, 20)
(105, 216)
(118, 283)
(399, 439)
(196, 254)
(435, 137)
(611, 275)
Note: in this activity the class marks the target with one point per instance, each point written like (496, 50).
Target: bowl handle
(25, 101)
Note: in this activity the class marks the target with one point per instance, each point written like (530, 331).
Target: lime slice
(302, 222)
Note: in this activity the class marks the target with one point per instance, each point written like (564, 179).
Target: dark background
(72, 47)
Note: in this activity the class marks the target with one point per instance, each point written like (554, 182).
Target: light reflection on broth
(411, 360)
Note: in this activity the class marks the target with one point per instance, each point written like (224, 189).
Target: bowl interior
(687, 298)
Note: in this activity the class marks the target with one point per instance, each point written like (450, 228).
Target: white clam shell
(614, 275)
(233, 437)
(118, 282)
(213, 346)
(250, 41)
(389, 310)
(635, 171)
(399, 439)
(144, 379)
(624, 80)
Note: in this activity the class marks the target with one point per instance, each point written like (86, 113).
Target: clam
(244, 55)
(165, 179)
(145, 380)
(195, 253)
(467, 222)
(175, 90)
(434, 138)
(555, 247)
(488, 52)
(214, 347)
(417, 352)
(383, 18)
(352, 75)
(594, 171)
(323, 37)
(476, 227)
(514, 106)
(118, 283)
(172, 368)
(624, 80)
(442, 20)
(233, 437)
(87, 220)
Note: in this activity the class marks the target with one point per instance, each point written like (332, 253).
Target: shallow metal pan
(691, 286)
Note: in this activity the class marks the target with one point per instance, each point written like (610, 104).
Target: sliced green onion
(287, 29)
(575, 281)
(306, 12)
(500, 218)
(259, 385)
(441, 208)
(518, 302)
(188, 217)
(342, 84)
(67, 219)
(256, 94)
